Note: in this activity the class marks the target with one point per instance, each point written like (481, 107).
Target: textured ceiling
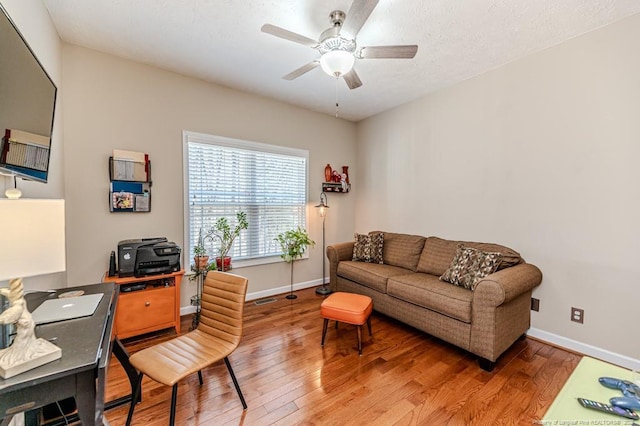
(220, 41)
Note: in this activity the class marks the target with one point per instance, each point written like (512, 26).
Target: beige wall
(540, 155)
(32, 19)
(114, 103)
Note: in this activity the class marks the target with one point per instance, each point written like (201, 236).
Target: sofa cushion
(368, 248)
(431, 293)
(470, 265)
(402, 250)
(371, 275)
(438, 254)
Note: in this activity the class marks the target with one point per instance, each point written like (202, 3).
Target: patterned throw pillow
(368, 248)
(469, 266)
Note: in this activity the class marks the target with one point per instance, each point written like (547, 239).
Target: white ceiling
(220, 41)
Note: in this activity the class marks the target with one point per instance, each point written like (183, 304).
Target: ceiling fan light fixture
(337, 62)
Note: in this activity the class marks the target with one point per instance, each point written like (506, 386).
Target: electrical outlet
(535, 304)
(577, 315)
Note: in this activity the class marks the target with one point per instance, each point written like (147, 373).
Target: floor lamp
(322, 212)
(34, 232)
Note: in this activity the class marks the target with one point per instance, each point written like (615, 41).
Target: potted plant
(293, 243)
(222, 230)
(201, 269)
(200, 256)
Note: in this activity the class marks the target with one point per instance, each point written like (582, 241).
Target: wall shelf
(335, 187)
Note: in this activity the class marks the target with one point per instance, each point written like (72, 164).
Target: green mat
(565, 409)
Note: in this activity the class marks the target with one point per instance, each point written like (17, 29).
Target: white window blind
(225, 176)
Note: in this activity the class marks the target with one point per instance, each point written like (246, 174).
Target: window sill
(260, 261)
(236, 264)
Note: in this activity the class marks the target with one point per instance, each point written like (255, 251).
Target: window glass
(224, 176)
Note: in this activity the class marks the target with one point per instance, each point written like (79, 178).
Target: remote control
(599, 406)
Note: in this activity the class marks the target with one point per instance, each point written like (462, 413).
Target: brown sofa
(407, 287)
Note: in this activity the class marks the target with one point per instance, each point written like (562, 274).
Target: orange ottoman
(349, 308)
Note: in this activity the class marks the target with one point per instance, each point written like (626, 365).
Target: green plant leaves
(294, 243)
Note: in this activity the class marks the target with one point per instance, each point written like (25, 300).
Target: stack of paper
(130, 165)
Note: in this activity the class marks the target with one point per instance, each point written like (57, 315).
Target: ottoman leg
(324, 330)
(359, 328)
(369, 325)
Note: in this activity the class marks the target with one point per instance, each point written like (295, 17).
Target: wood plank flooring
(404, 377)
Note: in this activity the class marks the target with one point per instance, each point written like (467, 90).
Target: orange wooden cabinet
(153, 308)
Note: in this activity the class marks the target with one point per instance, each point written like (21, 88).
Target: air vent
(265, 301)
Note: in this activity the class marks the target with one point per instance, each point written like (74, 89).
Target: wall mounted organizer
(130, 182)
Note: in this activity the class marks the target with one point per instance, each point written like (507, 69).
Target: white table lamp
(33, 243)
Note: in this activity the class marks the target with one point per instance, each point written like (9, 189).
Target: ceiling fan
(337, 45)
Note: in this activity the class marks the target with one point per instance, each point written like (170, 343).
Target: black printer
(147, 256)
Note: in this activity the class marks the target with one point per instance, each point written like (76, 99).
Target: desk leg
(88, 411)
(101, 384)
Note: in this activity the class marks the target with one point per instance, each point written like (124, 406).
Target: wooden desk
(156, 307)
(80, 373)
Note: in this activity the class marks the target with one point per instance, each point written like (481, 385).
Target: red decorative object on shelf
(345, 171)
(327, 173)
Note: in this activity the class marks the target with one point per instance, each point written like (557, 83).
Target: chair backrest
(222, 305)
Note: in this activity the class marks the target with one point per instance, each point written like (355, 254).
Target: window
(224, 176)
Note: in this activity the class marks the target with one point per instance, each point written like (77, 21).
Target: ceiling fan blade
(303, 69)
(352, 79)
(398, 52)
(288, 35)
(356, 16)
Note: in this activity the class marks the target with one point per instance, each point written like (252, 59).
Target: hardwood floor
(404, 377)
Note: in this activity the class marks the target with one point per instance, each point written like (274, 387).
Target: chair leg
(359, 328)
(324, 330)
(235, 382)
(200, 377)
(134, 398)
(174, 397)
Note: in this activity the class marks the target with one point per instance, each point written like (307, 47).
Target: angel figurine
(343, 182)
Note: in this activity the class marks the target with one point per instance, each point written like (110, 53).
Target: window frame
(203, 138)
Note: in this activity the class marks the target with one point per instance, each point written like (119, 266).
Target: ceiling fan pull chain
(337, 105)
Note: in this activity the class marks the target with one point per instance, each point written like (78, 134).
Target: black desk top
(80, 339)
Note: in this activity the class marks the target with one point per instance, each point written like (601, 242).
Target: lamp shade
(322, 210)
(337, 62)
(33, 238)
(322, 207)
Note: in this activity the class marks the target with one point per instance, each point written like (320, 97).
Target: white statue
(26, 351)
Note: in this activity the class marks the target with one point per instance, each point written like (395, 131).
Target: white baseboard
(184, 310)
(585, 349)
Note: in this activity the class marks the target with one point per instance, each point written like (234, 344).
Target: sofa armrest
(335, 254)
(340, 251)
(507, 284)
(500, 311)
